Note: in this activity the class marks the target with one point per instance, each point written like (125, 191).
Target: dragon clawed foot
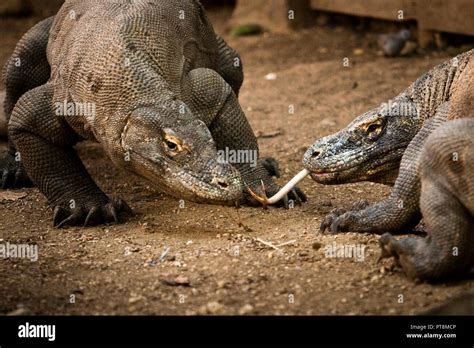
(90, 215)
(341, 220)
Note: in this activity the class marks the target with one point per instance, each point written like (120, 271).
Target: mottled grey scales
(163, 89)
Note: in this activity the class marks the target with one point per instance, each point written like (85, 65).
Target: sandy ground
(215, 263)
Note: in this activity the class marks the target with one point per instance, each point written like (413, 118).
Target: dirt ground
(215, 263)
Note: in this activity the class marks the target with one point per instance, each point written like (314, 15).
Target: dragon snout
(315, 153)
(223, 182)
(319, 162)
(311, 157)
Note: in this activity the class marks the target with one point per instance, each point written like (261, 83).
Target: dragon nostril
(315, 154)
(222, 184)
(223, 181)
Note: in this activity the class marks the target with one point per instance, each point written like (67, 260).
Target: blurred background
(427, 19)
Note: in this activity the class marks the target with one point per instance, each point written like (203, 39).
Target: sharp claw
(263, 200)
(296, 197)
(301, 194)
(276, 170)
(4, 179)
(60, 225)
(379, 259)
(112, 212)
(326, 224)
(59, 215)
(322, 228)
(286, 202)
(264, 190)
(66, 221)
(384, 242)
(96, 215)
(90, 215)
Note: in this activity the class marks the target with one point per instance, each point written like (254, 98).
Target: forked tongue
(283, 191)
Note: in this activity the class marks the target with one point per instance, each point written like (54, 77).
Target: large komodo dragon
(164, 92)
(431, 124)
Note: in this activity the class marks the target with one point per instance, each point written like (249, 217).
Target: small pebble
(271, 77)
(214, 307)
(247, 309)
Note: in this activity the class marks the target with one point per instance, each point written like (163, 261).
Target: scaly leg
(46, 143)
(447, 205)
(230, 66)
(26, 69)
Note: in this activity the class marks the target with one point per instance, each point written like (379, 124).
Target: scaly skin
(445, 168)
(163, 88)
(447, 204)
(387, 140)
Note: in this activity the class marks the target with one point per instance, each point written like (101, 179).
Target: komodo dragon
(432, 125)
(152, 83)
(389, 140)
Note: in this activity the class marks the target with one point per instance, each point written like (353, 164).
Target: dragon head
(370, 148)
(176, 151)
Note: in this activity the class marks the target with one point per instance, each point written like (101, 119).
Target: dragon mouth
(361, 171)
(318, 176)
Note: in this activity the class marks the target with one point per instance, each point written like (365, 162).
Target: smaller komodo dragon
(386, 143)
(164, 89)
(436, 174)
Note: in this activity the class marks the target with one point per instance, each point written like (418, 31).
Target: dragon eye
(373, 128)
(171, 145)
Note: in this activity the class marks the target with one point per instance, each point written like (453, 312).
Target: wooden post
(425, 37)
(301, 13)
(273, 15)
